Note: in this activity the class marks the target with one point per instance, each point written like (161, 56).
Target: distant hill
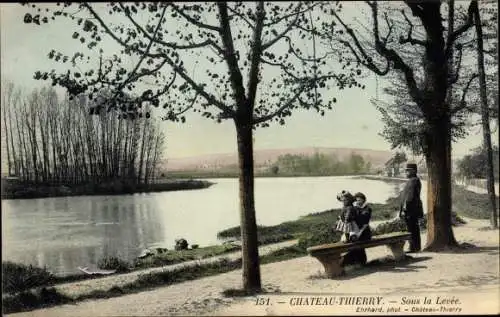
(267, 157)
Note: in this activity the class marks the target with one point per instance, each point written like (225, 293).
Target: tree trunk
(6, 130)
(485, 120)
(438, 152)
(250, 251)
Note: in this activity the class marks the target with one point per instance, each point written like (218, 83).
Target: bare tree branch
(390, 26)
(462, 29)
(454, 78)
(278, 37)
(257, 49)
(292, 14)
(283, 67)
(188, 107)
(178, 69)
(408, 38)
(194, 21)
(167, 44)
(463, 105)
(366, 60)
(115, 37)
(285, 106)
(415, 8)
(230, 56)
(241, 16)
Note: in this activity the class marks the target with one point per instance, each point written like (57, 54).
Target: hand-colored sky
(353, 122)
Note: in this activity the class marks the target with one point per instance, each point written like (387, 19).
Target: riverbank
(200, 174)
(307, 230)
(312, 229)
(445, 274)
(15, 189)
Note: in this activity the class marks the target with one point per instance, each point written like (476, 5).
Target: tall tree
(244, 46)
(490, 178)
(428, 91)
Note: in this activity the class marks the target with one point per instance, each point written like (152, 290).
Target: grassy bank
(305, 224)
(311, 229)
(31, 299)
(13, 189)
(234, 174)
(464, 202)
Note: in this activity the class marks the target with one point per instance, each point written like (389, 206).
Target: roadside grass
(19, 277)
(306, 224)
(170, 257)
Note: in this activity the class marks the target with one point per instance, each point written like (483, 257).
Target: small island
(13, 188)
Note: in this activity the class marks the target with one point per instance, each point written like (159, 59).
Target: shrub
(113, 263)
(274, 238)
(318, 234)
(456, 220)
(181, 244)
(20, 277)
(194, 246)
(395, 225)
(28, 300)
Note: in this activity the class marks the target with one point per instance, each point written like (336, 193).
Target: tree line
(320, 164)
(53, 140)
(474, 165)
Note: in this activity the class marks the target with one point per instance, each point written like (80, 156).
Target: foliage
(321, 164)
(394, 163)
(470, 204)
(474, 165)
(173, 257)
(284, 254)
(113, 263)
(313, 222)
(29, 300)
(19, 277)
(456, 220)
(319, 234)
(161, 50)
(395, 225)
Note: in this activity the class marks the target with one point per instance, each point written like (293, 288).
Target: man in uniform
(411, 209)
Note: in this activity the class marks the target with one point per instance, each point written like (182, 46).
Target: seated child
(347, 219)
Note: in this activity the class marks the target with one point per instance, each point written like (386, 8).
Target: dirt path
(472, 276)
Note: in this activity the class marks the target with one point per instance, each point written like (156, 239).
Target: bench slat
(378, 240)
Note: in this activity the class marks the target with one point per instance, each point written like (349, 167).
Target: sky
(353, 123)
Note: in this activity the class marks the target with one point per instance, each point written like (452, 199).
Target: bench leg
(397, 250)
(332, 266)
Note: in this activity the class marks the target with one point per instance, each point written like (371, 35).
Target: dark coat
(363, 216)
(411, 203)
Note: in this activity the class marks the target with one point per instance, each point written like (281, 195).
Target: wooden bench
(330, 255)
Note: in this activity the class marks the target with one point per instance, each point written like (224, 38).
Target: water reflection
(66, 232)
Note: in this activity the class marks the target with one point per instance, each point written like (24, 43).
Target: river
(63, 233)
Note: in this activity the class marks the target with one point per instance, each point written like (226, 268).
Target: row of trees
(321, 164)
(48, 140)
(475, 165)
(393, 165)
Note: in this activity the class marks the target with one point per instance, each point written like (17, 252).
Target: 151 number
(262, 301)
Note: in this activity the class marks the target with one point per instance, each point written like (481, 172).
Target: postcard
(249, 158)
